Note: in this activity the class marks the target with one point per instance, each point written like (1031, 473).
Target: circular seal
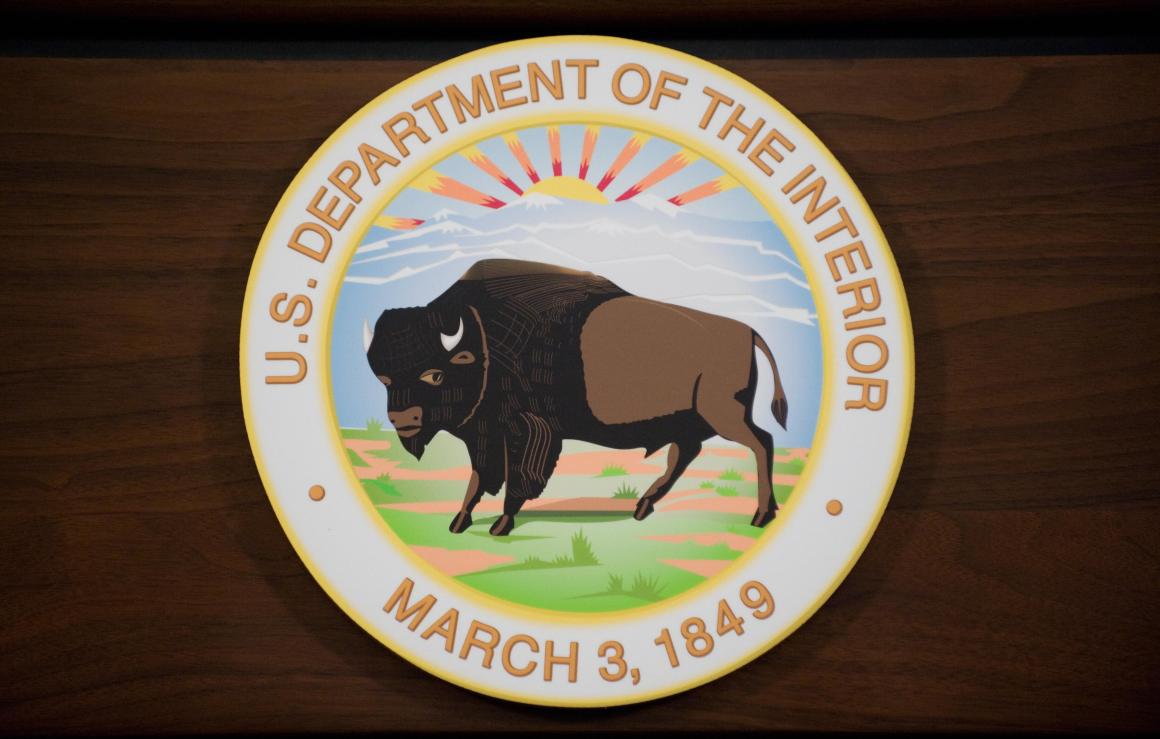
(577, 371)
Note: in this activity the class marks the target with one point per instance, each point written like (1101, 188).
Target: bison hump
(487, 269)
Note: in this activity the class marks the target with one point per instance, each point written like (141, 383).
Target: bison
(516, 356)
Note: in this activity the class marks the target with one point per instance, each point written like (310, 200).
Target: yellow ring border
(889, 268)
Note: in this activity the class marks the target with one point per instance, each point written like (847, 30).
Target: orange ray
(517, 149)
(590, 134)
(398, 224)
(554, 148)
(704, 190)
(673, 164)
(481, 160)
(630, 150)
(438, 184)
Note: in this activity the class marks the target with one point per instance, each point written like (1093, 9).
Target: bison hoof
(460, 523)
(761, 518)
(503, 525)
(644, 509)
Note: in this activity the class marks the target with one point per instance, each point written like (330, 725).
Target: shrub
(626, 491)
(615, 583)
(727, 492)
(374, 425)
(613, 470)
(707, 485)
(731, 474)
(582, 553)
(648, 588)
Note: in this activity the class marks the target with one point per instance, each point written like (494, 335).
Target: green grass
(613, 564)
(582, 553)
(781, 493)
(582, 556)
(745, 530)
(368, 433)
(355, 459)
(374, 425)
(792, 467)
(646, 587)
(727, 492)
(381, 489)
(626, 491)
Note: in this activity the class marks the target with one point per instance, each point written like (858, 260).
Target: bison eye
(463, 357)
(432, 377)
(384, 379)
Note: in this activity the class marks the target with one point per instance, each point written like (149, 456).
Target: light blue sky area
(735, 203)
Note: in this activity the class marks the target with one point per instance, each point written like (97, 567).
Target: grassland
(594, 559)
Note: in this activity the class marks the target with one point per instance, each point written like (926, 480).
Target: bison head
(433, 365)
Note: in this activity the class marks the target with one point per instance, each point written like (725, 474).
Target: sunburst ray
(630, 150)
(517, 149)
(670, 166)
(704, 190)
(554, 148)
(590, 135)
(438, 184)
(481, 160)
(395, 223)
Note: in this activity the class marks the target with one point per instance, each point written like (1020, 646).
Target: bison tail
(779, 407)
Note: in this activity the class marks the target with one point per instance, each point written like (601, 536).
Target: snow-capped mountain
(648, 248)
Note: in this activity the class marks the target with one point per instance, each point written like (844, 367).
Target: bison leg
(532, 450)
(734, 421)
(505, 523)
(681, 453)
(474, 492)
(486, 477)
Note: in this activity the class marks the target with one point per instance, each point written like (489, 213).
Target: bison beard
(516, 356)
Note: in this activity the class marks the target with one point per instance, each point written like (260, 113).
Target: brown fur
(642, 359)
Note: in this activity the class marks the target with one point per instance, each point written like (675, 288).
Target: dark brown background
(145, 584)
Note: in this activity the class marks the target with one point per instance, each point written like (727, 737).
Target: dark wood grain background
(145, 584)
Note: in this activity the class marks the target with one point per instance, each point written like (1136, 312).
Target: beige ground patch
(495, 505)
(719, 503)
(702, 567)
(593, 463)
(460, 561)
(378, 466)
(742, 453)
(747, 476)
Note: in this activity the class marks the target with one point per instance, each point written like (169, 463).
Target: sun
(573, 188)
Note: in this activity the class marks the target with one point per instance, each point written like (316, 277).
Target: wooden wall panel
(145, 584)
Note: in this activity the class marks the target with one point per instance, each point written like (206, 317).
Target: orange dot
(834, 507)
(317, 492)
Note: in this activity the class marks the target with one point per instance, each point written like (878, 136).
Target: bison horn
(368, 335)
(450, 342)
